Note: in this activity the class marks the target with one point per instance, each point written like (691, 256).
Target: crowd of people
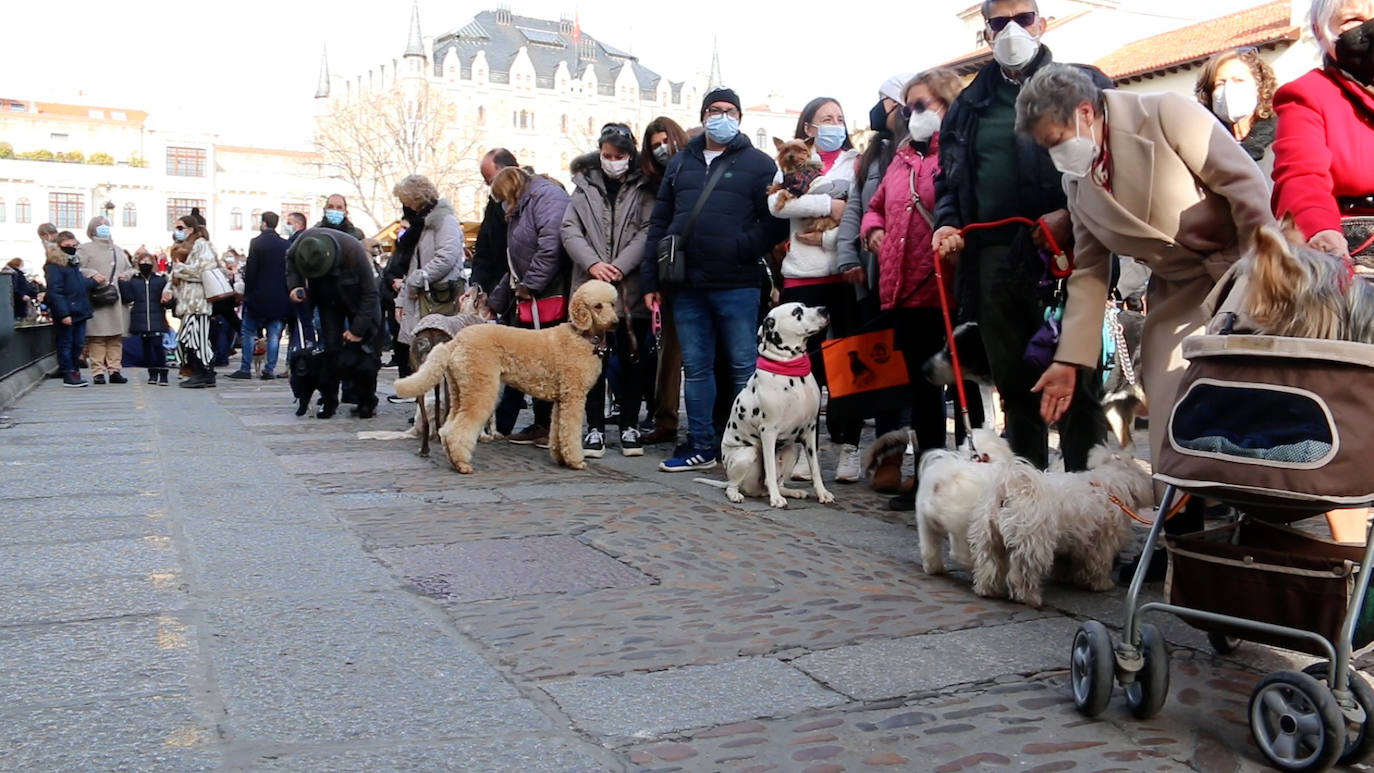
(1178, 184)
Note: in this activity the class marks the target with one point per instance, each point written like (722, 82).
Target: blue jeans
(302, 321)
(703, 317)
(251, 327)
(70, 339)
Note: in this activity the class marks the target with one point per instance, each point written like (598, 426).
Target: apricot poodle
(559, 364)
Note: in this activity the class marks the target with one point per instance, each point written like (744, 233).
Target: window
(236, 219)
(180, 207)
(130, 215)
(524, 119)
(65, 209)
(481, 116)
(2, 210)
(56, 137)
(761, 138)
(186, 162)
(257, 219)
(23, 213)
(563, 123)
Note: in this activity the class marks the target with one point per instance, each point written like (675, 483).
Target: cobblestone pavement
(201, 580)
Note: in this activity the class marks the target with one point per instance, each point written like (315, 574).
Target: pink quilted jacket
(906, 264)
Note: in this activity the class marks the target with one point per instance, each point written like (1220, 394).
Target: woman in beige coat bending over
(1155, 177)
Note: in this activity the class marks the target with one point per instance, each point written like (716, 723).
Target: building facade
(65, 164)
(541, 88)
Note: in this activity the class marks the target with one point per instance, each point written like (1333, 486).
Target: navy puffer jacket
(733, 230)
(69, 290)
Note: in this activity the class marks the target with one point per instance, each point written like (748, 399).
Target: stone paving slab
(347, 648)
(698, 696)
(78, 506)
(39, 530)
(527, 753)
(107, 597)
(47, 564)
(152, 733)
(506, 568)
(74, 663)
(884, 669)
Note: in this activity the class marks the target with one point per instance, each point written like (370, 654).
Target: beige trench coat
(102, 256)
(1186, 201)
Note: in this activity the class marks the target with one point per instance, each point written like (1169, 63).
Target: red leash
(1060, 266)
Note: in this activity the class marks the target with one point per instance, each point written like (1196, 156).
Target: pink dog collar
(796, 368)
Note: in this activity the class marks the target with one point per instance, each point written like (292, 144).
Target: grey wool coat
(438, 258)
(594, 232)
(103, 256)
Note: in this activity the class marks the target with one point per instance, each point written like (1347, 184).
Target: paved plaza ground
(199, 580)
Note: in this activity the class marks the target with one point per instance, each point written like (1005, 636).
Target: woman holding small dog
(810, 270)
(1154, 176)
(604, 231)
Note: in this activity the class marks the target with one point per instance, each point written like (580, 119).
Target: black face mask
(70, 249)
(145, 269)
(877, 119)
(1355, 52)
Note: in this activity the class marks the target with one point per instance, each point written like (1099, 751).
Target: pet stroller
(1275, 427)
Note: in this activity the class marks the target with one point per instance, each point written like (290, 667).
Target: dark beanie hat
(315, 255)
(720, 95)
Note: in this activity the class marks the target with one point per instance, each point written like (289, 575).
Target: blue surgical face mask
(722, 128)
(178, 235)
(333, 216)
(102, 232)
(830, 138)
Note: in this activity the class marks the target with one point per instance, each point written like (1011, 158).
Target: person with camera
(334, 271)
(709, 228)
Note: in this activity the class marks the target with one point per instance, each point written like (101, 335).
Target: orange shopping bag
(863, 363)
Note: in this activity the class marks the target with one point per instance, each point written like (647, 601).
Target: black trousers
(637, 372)
(153, 352)
(347, 362)
(844, 415)
(1010, 311)
(919, 334)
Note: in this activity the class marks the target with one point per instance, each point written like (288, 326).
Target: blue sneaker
(688, 461)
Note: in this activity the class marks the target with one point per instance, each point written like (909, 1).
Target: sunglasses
(919, 106)
(611, 130)
(1023, 20)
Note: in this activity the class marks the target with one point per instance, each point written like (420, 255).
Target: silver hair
(1320, 17)
(987, 7)
(1055, 92)
(415, 189)
(95, 221)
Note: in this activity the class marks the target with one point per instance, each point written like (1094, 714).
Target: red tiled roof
(971, 62)
(1267, 24)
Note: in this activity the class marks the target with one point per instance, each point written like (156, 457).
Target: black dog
(973, 359)
(307, 377)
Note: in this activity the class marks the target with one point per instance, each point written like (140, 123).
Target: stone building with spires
(542, 88)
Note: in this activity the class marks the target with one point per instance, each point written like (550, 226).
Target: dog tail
(429, 374)
(884, 448)
(712, 483)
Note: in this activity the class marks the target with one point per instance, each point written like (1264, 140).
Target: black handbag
(108, 293)
(672, 266)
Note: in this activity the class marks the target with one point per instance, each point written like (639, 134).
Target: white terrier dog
(1028, 519)
(950, 484)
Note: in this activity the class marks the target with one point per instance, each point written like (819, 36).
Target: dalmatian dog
(774, 416)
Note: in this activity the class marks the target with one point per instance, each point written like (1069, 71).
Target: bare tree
(372, 141)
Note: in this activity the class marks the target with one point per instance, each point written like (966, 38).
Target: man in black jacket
(489, 253)
(988, 173)
(265, 304)
(337, 272)
(719, 301)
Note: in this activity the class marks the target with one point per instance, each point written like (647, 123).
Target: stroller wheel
(1146, 694)
(1296, 722)
(1091, 668)
(1222, 644)
(1359, 738)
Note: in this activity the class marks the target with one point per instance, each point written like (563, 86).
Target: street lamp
(109, 208)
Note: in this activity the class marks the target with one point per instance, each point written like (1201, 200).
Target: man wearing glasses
(718, 301)
(988, 173)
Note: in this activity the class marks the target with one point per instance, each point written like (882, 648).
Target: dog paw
(778, 501)
(465, 469)
(825, 497)
(734, 496)
(422, 454)
(793, 493)
(576, 465)
(485, 438)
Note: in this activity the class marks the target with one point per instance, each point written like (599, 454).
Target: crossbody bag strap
(716, 173)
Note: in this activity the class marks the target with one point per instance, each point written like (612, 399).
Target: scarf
(797, 368)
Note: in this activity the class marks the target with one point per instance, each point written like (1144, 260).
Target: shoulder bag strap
(717, 172)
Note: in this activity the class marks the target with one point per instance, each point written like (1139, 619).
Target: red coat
(906, 262)
(1322, 148)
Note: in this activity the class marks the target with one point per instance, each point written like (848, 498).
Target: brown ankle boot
(887, 477)
(908, 487)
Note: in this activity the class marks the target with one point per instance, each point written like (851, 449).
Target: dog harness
(795, 368)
